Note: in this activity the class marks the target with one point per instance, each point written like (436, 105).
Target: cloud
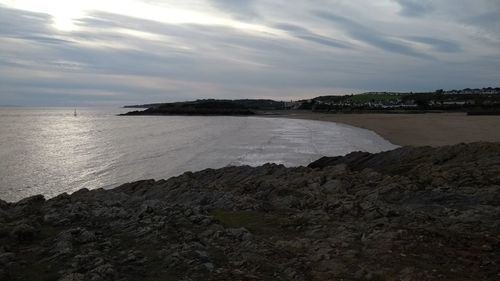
(266, 49)
(415, 8)
(304, 34)
(240, 9)
(489, 21)
(371, 36)
(439, 45)
(26, 25)
(16, 21)
(202, 63)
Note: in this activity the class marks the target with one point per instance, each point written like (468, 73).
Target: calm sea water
(49, 151)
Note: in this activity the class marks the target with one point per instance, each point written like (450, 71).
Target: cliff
(414, 213)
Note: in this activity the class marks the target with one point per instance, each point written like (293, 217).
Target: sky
(116, 52)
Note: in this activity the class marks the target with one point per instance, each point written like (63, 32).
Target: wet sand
(434, 129)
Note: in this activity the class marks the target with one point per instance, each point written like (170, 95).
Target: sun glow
(65, 13)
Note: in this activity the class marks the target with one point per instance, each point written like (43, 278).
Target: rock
(73, 277)
(24, 232)
(102, 272)
(63, 244)
(53, 218)
(202, 255)
(209, 266)
(6, 257)
(359, 217)
(3, 204)
(407, 274)
(85, 236)
(331, 186)
(235, 232)
(30, 201)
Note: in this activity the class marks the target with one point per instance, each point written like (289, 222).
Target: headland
(198, 107)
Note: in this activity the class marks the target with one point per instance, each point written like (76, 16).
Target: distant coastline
(485, 101)
(427, 118)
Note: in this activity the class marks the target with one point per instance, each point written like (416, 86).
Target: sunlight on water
(50, 151)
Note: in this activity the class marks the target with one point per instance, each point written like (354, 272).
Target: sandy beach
(434, 129)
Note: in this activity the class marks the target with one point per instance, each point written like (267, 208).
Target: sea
(49, 151)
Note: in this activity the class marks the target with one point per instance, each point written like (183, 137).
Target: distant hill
(261, 104)
(256, 104)
(468, 100)
(200, 107)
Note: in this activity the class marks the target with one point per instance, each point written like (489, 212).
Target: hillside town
(469, 100)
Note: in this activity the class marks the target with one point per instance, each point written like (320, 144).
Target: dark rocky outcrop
(199, 107)
(414, 213)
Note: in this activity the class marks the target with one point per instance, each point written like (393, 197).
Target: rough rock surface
(409, 214)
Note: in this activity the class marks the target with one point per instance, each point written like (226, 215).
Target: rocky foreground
(408, 214)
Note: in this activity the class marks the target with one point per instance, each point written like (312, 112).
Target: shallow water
(49, 151)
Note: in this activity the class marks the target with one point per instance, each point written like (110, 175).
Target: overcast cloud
(129, 51)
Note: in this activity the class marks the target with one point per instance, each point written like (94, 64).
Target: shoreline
(426, 129)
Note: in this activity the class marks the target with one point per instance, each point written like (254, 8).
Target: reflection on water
(50, 151)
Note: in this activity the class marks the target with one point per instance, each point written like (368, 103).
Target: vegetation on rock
(201, 107)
